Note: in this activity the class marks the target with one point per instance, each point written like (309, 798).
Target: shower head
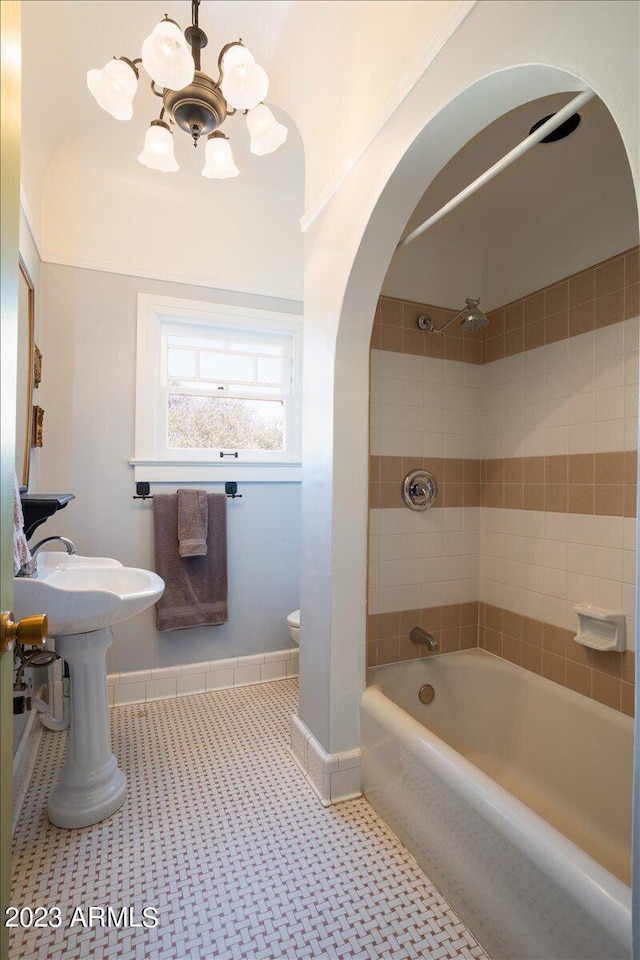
(472, 318)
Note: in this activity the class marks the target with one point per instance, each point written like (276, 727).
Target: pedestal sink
(83, 597)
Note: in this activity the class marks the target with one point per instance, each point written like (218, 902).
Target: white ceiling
(561, 207)
(92, 203)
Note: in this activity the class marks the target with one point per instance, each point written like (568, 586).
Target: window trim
(149, 461)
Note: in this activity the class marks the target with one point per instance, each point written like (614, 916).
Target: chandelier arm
(154, 90)
(227, 46)
(132, 63)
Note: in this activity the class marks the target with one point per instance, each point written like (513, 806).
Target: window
(216, 385)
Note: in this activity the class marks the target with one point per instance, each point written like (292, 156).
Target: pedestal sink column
(91, 786)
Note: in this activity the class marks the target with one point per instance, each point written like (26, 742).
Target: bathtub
(514, 795)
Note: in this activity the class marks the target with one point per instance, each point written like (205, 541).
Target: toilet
(293, 622)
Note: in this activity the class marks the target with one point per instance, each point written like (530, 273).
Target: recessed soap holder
(600, 629)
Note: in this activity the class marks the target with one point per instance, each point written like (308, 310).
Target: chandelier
(191, 99)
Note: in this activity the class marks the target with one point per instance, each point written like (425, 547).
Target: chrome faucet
(418, 635)
(30, 568)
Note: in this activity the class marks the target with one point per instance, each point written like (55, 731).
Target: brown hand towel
(195, 587)
(192, 523)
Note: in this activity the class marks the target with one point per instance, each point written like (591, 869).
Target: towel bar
(143, 491)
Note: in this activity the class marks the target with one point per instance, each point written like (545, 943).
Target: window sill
(179, 471)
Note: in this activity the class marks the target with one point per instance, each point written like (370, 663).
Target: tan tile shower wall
(396, 328)
(455, 627)
(459, 481)
(542, 648)
(602, 484)
(536, 463)
(552, 652)
(607, 293)
(602, 295)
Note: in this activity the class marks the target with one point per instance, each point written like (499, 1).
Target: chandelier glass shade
(158, 148)
(266, 133)
(114, 87)
(167, 58)
(219, 163)
(244, 83)
(191, 100)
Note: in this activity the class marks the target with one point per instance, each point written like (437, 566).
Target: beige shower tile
(581, 468)
(513, 342)
(533, 469)
(628, 666)
(632, 267)
(556, 469)
(391, 312)
(610, 309)
(632, 302)
(582, 288)
(532, 631)
(514, 470)
(607, 690)
(553, 639)
(609, 467)
(534, 308)
(553, 667)
(581, 498)
(609, 277)
(582, 318)
(578, 678)
(534, 334)
(512, 650)
(609, 500)
(627, 703)
(512, 624)
(556, 327)
(609, 662)
(532, 658)
(557, 298)
(391, 338)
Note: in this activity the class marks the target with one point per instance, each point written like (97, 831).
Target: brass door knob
(32, 631)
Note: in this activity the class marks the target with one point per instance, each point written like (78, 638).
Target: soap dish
(600, 629)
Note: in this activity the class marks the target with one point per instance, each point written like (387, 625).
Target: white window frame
(152, 460)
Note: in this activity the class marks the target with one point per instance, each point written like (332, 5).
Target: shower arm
(424, 321)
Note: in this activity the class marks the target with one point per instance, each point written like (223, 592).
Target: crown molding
(459, 12)
(136, 270)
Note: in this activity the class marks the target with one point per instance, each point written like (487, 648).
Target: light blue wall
(88, 332)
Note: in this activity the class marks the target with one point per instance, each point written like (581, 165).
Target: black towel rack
(143, 491)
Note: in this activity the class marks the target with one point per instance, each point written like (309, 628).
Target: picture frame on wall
(37, 426)
(37, 366)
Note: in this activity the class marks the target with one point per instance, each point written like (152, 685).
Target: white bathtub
(514, 796)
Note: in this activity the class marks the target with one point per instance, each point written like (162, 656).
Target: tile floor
(221, 834)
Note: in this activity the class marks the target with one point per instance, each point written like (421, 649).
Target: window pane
(269, 371)
(195, 342)
(181, 363)
(223, 366)
(271, 350)
(203, 423)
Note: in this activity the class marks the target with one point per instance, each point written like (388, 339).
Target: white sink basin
(81, 594)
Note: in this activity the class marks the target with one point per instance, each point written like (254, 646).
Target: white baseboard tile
(185, 680)
(332, 776)
(24, 761)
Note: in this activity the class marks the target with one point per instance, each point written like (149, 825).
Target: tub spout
(418, 635)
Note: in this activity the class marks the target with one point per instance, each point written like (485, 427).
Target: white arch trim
(477, 78)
